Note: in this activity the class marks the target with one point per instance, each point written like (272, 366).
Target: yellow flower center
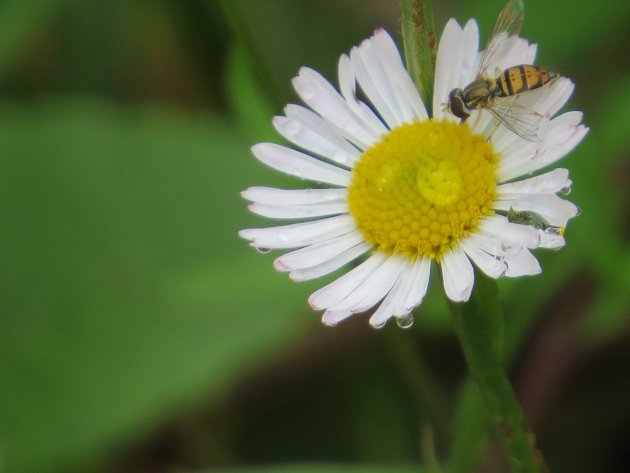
(422, 188)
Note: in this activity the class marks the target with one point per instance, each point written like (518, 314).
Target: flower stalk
(416, 18)
(479, 327)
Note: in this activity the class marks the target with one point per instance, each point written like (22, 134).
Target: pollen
(423, 187)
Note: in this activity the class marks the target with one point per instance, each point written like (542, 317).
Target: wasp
(500, 94)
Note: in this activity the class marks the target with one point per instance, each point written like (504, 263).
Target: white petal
(346, 154)
(336, 291)
(554, 97)
(563, 134)
(299, 234)
(301, 165)
(299, 211)
(374, 82)
(503, 139)
(455, 63)
(495, 245)
(551, 241)
(548, 100)
(457, 274)
(404, 88)
(394, 300)
(483, 123)
(522, 263)
(516, 151)
(347, 85)
(317, 253)
(444, 64)
(319, 139)
(374, 287)
(550, 182)
(570, 119)
(322, 97)
(516, 51)
(493, 267)
(331, 318)
(553, 209)
(273, 196)
(556, 151)
(499, 226)
(331, 265)
(531, 54)
(470, 45)
(347, 81)
(418, 289)
(512, 52)
(561, 130)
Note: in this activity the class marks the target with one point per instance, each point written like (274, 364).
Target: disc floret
(423, 187)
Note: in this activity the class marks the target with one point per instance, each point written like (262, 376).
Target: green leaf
(127, 294)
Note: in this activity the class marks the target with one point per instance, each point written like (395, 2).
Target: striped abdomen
(519, 79)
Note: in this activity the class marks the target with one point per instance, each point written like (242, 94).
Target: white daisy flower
(405, 189)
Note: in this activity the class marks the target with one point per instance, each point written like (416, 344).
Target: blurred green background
(138, 333)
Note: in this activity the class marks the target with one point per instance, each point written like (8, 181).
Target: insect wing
(518, 118)
(503, 37)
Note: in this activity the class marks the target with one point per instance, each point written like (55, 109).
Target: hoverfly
(500, 94)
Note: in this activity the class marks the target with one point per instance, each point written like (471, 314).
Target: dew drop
(262, 251)
(565, 190)
(283, 237)
(379, 325)
(578, 211)
(307, 92)
(552, 230)
(405, 322)
(341, 156)
(292, 127)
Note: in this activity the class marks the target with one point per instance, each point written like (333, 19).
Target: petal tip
(247, 234)
(279, 265)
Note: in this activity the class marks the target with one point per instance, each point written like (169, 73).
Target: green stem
(479, 328)
(416, 18)
(471, 423)
(470, 432)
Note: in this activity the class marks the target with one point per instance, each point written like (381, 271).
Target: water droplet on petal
(307, 92)
(405, 322)
(578, 211)
(341, 156)
(565, 190)
(552, 230)
(283, 237)
(262, 251)
(379, 325)
(292, 127)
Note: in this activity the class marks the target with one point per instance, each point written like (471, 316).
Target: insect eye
(456, 104)
(455, 94)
